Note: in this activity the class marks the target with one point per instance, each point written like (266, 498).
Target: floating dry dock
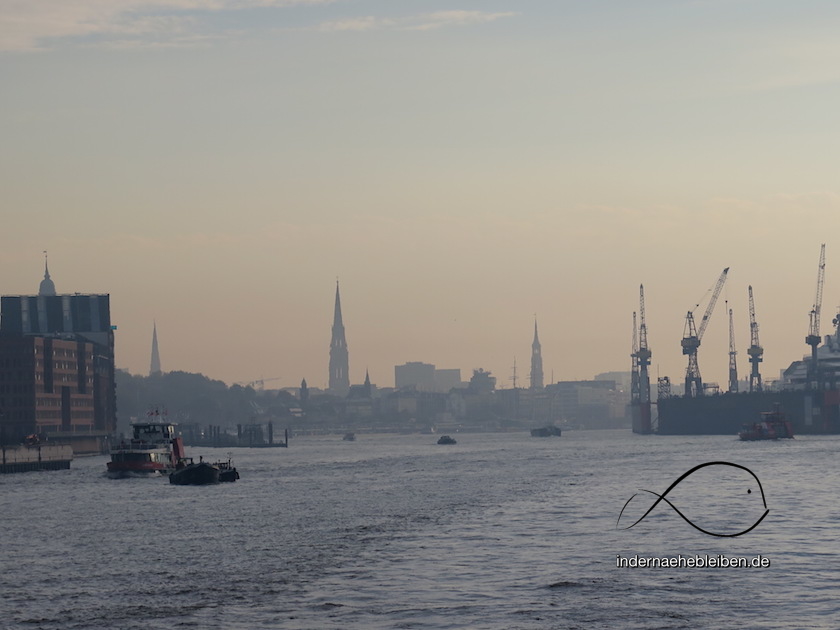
(24, 458)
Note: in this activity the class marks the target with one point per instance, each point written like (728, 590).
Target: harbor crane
(813, 338)
(733, 368)
(643, 358)
(755, 350)
(634, 369)
(692, 336)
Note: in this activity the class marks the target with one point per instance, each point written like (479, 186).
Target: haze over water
(460, 166)
(499, 531)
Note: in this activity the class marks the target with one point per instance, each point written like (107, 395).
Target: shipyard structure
(808, 392)
(57, 370)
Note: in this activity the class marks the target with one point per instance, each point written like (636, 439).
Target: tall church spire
(367, 386)
(47, 285)
(155, 367)
(339, 358)
(536, 361)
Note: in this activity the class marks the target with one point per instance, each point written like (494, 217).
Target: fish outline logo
(662, 497)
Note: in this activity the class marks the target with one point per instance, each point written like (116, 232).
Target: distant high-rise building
(420, 376)
(447, 378)
(425, 377)
(57, 358)
(536, 361)
(339, 383)
(155, 366)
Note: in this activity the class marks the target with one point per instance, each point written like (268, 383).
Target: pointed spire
(155, 365)
(367, 386)
(47, 285)
(337, 316)
(536, 360)
(339, 383)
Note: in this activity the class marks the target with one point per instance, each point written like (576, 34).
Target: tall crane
(733, 368)
(691, 341)
(634, 369)
(755, 350)
(813, 338)
(644, 352)
(643, 356)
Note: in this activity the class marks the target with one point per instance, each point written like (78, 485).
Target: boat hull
(123, 472)
(200, 474)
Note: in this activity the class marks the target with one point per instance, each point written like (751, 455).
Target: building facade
(57, 368)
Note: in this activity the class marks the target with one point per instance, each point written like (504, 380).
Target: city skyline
(47, 287)
(460, 167)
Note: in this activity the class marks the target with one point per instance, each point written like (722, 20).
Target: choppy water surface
(499, 531)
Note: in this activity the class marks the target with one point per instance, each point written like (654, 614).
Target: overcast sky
(460, 166)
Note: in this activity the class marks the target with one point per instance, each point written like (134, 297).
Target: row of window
(39, 376)
(75, 417)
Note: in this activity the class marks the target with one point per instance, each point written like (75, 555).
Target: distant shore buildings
(426, 397)
(57, 367)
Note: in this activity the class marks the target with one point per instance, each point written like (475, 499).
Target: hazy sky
(459, 165)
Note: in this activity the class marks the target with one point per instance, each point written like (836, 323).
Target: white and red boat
(152, 450)
(773, 426)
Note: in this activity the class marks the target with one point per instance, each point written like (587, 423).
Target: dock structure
(23, 458)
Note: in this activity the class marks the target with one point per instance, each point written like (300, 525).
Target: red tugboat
(773, 426)
(152, 450)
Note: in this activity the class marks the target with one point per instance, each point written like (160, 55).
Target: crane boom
(711, 307)
(691, 340)
(643, 345)
(814, 329)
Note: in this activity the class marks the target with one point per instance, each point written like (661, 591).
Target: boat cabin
(153, 432)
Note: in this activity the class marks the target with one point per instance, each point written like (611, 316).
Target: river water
(500, 531)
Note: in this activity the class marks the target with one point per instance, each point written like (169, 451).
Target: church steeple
(339, 383)
(367, 386)
(536, 361)
(155, 366)
(47, 285)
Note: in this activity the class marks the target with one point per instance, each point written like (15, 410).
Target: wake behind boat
(152, 450)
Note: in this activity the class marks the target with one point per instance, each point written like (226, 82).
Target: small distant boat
(445, 439)
(349, 437)
(546, 431)
(188, 473)
(773, 426)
